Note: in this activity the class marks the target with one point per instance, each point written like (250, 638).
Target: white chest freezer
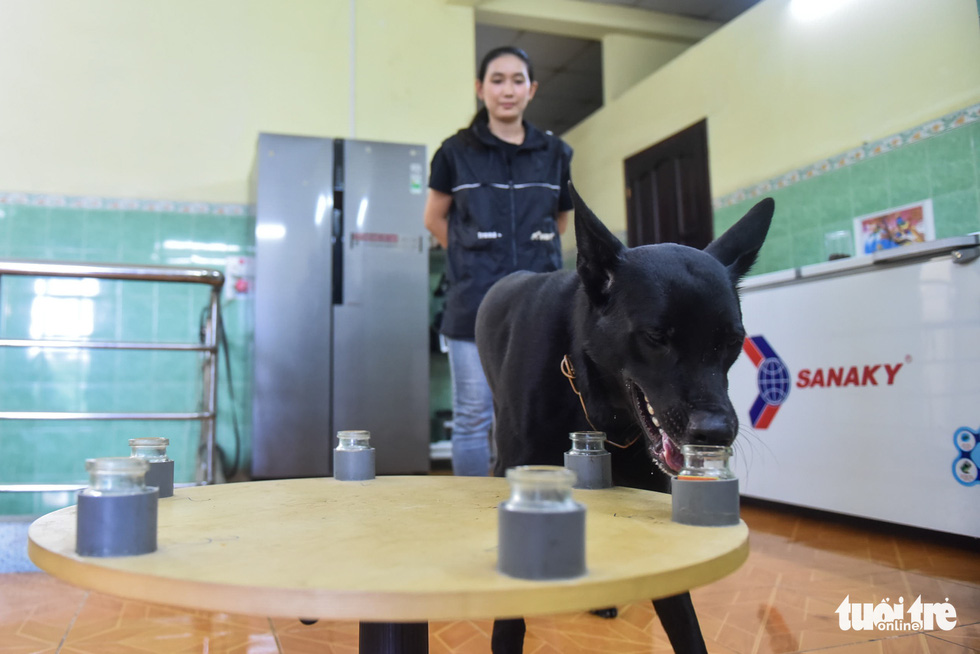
(858, 388)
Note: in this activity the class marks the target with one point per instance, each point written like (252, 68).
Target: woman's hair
(501, 51)
(482, 115)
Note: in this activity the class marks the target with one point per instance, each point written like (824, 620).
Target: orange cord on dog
(569, 371)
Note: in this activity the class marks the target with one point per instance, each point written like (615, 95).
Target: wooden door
(668, 192)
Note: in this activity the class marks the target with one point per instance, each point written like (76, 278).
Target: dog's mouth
(665, 451)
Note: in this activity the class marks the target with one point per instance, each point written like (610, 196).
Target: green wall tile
(219, 230)
(138, 236)
(869, 185)
(28, 233)
(7, 217)
(19, 462)
(795, 203)
(726, 217)
(101, 367)
(951, 168)
(175, 228)
(909, 175)
(66, 229)
(776, 254)
(138, 316)
(102, 230)
(961, 212)
(782, 223)
(974, 134)
(106, 311)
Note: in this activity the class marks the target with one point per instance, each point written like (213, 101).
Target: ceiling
(568, 69)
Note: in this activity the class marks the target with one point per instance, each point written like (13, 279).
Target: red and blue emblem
(774, 380)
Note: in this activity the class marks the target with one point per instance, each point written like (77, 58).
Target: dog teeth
(656, 423)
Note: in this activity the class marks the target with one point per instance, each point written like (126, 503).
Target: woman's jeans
(472, 410)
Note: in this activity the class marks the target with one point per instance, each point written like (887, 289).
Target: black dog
(649, 333)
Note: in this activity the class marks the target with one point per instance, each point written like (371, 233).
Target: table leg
(394, 638)
(681, 623)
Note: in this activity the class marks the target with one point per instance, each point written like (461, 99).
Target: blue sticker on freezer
(966, 465)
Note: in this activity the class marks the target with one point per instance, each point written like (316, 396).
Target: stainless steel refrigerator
(341, 304)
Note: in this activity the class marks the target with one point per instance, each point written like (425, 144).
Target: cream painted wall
(415, 70)
(780, 93)
(628, 59)
(164, 98)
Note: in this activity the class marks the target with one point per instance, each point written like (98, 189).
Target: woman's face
(506, 89)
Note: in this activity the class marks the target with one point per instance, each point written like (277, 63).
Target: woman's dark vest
(502, 217)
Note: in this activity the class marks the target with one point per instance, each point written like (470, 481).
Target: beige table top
(394, 549)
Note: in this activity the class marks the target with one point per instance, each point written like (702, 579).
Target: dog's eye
(656, 339)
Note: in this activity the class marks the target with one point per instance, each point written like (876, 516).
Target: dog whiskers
(744, 446)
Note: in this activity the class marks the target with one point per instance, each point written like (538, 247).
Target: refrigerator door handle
(338, 256)
(337, 281)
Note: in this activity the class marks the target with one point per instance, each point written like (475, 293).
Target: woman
(498, 202)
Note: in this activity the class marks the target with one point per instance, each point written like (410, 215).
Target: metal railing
(208, 346)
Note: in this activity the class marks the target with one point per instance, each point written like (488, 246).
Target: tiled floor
(782, 600)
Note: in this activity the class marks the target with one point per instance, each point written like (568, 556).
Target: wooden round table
(391, 550)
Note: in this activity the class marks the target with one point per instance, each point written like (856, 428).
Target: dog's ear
(599, 252)
(738, 247)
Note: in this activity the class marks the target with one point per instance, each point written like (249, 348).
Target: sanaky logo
(773, 380)
(919, 616)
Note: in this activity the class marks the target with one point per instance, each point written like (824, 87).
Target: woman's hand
(437, 216)
(561, 221)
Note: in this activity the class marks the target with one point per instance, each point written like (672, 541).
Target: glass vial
(153, 450)
(706, 462)
(541, 529)
(116, 476)
(705, 491)
(117, 513)
(589, 460)
(352, 441)
(540, 488)
(353, 458)
(587, 443)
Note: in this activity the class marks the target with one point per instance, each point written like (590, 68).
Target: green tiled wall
(115, 381)
(945, 167)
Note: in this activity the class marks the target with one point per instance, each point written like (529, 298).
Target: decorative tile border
(123, 204)
(932, 128)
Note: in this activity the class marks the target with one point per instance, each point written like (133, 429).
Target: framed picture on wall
(893, 228)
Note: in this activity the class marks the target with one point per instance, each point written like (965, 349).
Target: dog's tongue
(672, 455)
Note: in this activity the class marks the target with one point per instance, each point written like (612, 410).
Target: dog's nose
(710, 428)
